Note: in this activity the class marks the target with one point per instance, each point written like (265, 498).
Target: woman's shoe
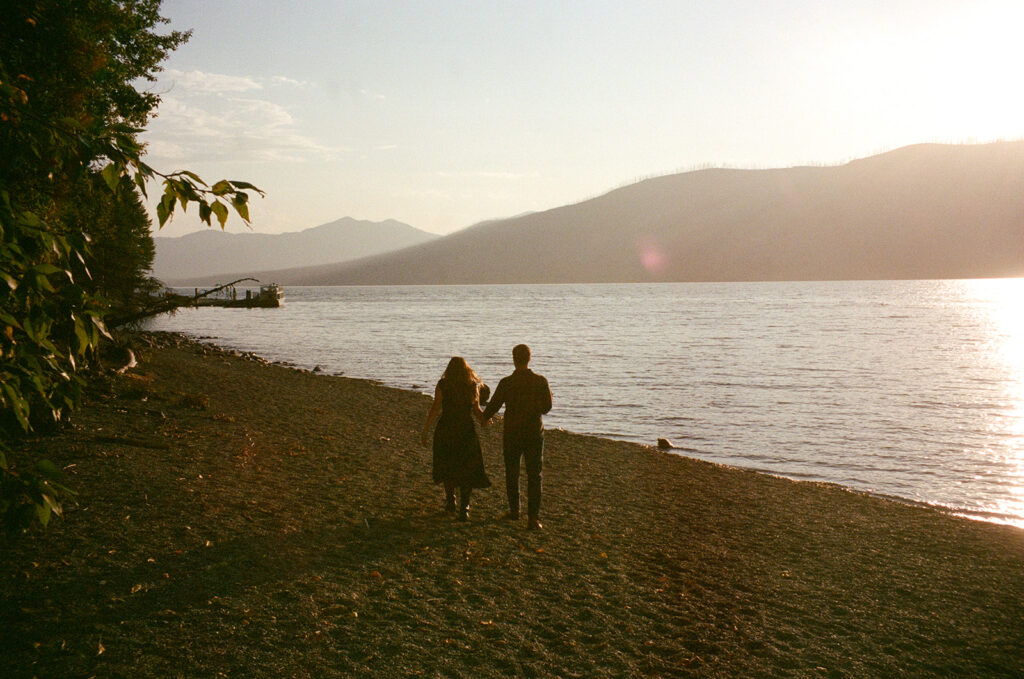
(463, 514)
(449, 505)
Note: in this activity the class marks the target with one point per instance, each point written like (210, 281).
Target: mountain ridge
(922, 211)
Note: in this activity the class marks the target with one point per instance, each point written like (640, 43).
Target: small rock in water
(317, 369)
(665, 444)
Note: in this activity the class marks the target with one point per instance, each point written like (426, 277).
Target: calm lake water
(912, 389)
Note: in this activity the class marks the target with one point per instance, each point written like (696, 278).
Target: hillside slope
(925, 211)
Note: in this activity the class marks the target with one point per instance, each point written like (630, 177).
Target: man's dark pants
(530, 450)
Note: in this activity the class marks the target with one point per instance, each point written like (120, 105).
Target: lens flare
(652, 256)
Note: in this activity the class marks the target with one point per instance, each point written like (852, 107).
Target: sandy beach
(241, 519)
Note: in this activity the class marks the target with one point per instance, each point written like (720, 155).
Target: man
(526, 396)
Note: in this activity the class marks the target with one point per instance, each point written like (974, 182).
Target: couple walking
(458, 459)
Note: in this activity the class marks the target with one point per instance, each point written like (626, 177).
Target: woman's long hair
(460, 375)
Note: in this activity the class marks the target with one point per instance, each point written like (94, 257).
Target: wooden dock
(266, 297)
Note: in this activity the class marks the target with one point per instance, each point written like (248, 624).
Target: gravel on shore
(241, 519)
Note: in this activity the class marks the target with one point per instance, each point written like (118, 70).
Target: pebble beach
(240, 519)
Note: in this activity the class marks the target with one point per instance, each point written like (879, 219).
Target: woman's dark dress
(457, 456)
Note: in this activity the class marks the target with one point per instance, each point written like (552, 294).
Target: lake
(909, 389)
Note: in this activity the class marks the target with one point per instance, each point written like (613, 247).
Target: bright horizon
(447, 114)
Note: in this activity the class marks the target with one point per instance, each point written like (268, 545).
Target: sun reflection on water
(1002, 304)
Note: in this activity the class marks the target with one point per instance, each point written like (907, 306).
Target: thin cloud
(210, 83)
(290, 82)
(218, 117)
(259, 112)
(203, 82)
(219, 128)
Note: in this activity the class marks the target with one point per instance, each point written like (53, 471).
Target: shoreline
(240, 518)
(982, 515)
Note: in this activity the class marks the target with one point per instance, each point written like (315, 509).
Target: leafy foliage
(69, 106)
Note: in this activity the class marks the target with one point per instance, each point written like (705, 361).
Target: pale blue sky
(442, 114)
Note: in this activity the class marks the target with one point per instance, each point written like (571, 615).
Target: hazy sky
(442, 114)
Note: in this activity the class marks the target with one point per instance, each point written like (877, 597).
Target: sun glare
(1003, 302)
(951, 79)
(1005, 298)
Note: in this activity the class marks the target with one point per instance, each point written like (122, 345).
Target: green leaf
(193, 176)
(30, 219)
(245, 185)
(18, 404)
(82, 335)
(112, 176)
(47, 468)
(166, 207)
(43, 514)
(7, 319)
(144, 169)
(101, 327)
(185, 191)
(221, 187)
(221, 211)
(140, 181)
(242, 208)
(43, 283)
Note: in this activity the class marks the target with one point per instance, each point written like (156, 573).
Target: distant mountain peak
(216, 255)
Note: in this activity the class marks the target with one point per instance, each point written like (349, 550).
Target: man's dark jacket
(526, 396)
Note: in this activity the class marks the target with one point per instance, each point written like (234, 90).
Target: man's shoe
(534, 524)
(463, 514)
(510, 516)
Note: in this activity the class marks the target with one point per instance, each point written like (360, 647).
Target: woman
(458, 460)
